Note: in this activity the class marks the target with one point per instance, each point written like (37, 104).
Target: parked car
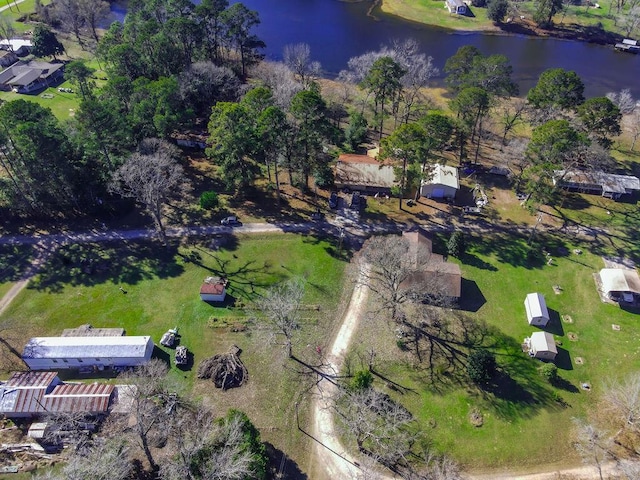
(230, 221)
(333, 200)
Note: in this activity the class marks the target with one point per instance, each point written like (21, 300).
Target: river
(337, 31)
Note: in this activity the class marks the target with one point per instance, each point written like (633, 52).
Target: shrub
(209, 200)
(361, 380)
(549, 372)
(481, 366)
(497, 10)
(323, 176)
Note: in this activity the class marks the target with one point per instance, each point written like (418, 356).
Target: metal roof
(543, 342)
(31, 380)
(620, 280)
(444, 175)
(86, 347)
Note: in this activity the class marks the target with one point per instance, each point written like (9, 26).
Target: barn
(54, 353)
(542, 346)
(443, 183)
(537, 312)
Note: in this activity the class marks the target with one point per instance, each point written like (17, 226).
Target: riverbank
(433, 14)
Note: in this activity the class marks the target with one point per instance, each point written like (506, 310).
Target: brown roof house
(31, 394)
(27, 77)
(364, 173)
(437, 278)
(213, 289)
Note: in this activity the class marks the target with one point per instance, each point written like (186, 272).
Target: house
(213, 289)
(608, 185)
(620, 285)
(53, 353)
(364, 173)
(7, 57)
(19, 46)
(541, 345)
(27, 77)
(442, 183)
(537, 312)
(431, 273)
(456, 6)
(31, 394)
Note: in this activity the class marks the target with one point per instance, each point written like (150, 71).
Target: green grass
(524, 424)
(19, 13)
(81, 285)
(433, 12)
(63, 105)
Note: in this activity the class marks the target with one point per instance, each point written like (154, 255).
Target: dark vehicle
(230, 221)
(181, 355)
(333, 200)
(356, 200)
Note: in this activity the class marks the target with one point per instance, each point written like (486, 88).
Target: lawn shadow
(161, 355)
(554, 325)
(566, 385)
(474, 261)
(90, 264)
(563, 359)
(15, 261)
(507, 246)
(281, 466)
(472, 298)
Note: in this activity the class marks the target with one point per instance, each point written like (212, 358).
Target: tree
(406, 143)
(356, 131)
(203, 84)
(600, 117)
(438, 130)
(209, 13)
(631, 21)
(481, 366)
(362, 380)
(592, 444)
(281, 306)
(7, 29)
(622, 399)
(469, 68)
(456, 244)
(557, 87)
(383, 82)
(497, 10)
(273, 129)
(232, 141)
(206, 449)
(70, 18)
(472, 105)
(378, 425)
(94, 13)
(511, 115)
(634, 127)
(549, 372)
(239, 21)
(81, 76)
(151, 176)
(297, 58)
(545, 10)
(45, 43)
(623, 100)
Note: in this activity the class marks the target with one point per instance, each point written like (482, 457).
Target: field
(81, 285)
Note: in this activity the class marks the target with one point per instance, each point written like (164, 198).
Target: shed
(364, 173)
(620, 284)
(442, 183)
(43, 353)
(537, 312)
(213, 289)
(542, 346)
(456, 6)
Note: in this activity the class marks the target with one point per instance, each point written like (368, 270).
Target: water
(337, 31)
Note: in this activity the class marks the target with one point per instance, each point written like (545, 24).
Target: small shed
(542, 346)
(213, 289)
(537, 312)
(54, 353)
(456, 6)
(620, 284)
(442, 183)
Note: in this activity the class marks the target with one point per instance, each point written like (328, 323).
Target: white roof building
(620, 284)
(543, 346)
(42, 353)
(536, 308)
(443, 182)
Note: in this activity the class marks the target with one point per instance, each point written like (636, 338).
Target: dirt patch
(619, 262)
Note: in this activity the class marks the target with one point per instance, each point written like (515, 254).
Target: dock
(628, 45)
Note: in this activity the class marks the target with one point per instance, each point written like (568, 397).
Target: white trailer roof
(620, 280)
(86, 347)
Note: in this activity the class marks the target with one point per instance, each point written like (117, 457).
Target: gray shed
(537, 312)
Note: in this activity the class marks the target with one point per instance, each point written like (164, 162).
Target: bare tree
(69, 14)
(207, 449)
(592, 444)
(298, 58)
(623, 100)
(511, 115)
(281, 306)
(150, 176)
(631, 21)
(7, 29)
(623, 400)
(377, 424)
(93, 12)
(280, 81)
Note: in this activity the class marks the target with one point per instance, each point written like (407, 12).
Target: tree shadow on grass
(508, 247)
(282, 466)
(472, 298)
(15, 260)
(90, 264)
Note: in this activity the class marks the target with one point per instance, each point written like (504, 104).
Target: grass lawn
(521, 406)
(433, 12)
(81, 285)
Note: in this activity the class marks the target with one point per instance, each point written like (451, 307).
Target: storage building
(537, 312)
(542, 346)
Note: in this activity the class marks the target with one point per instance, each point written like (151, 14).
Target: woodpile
(226, 369)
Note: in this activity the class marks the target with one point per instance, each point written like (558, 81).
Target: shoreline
(571, 32)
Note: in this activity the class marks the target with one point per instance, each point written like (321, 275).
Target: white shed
(542, 346)
(54, 353)
(536, 307)
(443, 183)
